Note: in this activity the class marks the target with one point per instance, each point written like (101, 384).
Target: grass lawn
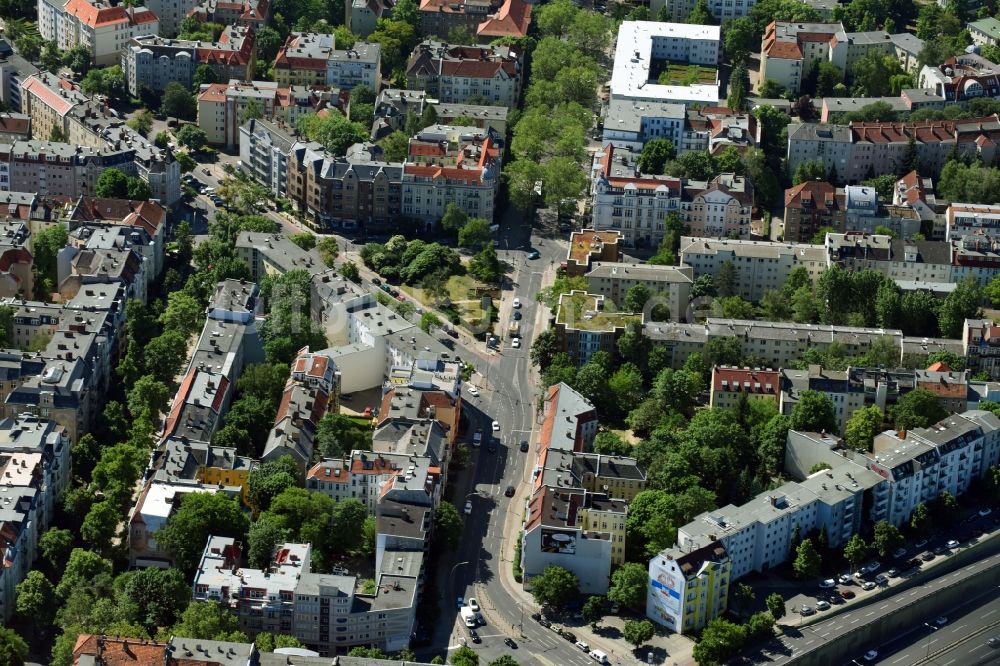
(678, 74)
(461, 290)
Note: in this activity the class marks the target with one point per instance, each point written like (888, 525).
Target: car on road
(517, 315)
(472, 390)
(827, 584)
(516, 343)
(509, 642)
(952, 543)
(807, 610)
(475, 636)
(847, 594)
(868, 585)
(496, 426)
(871, 655)
(516, 303)
(509, 492)
(452, 332)
(533, 254)
(493, 446)
(941, 621)
(583, 646)
(845, 579)
(473, 604)
(920, 544)
(898, 553)
(994, 641)
(568, 635)
(822, 605)
(477, 438)
(461, 602)
(376, 281)
(524, 446)
(468, 507)
(985, 512)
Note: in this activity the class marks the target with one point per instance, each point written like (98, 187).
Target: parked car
(893, 572)
(822, 605)
(827, 584)
(583, 646)
(868, 585)
(496, 426)
(537, 617)
(898, 553)
(516, 343)
(509, 492)
(473, 604)
(941, 621)
(452, 332)
(568, 635)
(524, 446)
(836, 599)
(509, 642)
(994, 642)
(475, 636)
(952, 543)
(845, 579)
(376, 281)
(985, 512)
(468, 507)
(517, 315)
(516, 303)
(807, 610)
(533, 254)
(461, 602)
(847, 594)
(472, 390)
(920, 544)
(927, 556)
(882, 579)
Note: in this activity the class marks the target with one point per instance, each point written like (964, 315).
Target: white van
(599, 657)
(469, 616)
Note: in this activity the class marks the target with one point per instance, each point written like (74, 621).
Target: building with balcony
(729, 385)
(484, 20)
(687, 589)
(669, 286)
(583, 327)
(312, 59)
(453, 73)
(233, 12)
(103, 28)
(720, 208)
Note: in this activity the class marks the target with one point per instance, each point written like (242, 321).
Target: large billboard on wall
(663, 601)
(558, 541)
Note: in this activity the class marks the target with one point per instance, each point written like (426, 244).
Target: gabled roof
(512, 20)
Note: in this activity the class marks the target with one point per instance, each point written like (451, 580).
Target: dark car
(475, 636)
(537, 617)
(509, 642)
(545, 623)
(385, 288)
(836, 599)
(517, 315)
(509, 492)
(452, 332)
(376, 281)
(927, 557)
(394, 292)
(568, 635)
(524, 446)
(493, 446)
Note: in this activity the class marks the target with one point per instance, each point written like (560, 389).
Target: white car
(868, 585)
(583, 646)
(871, 655)
(472, 390)
(828, 583)
(822, 605)
(496, 426)
(516, 343)
(952, 544)
(468, 507)
(941, 621)
(845, 579)
(517, 302)
(473, 604)
(985, 512)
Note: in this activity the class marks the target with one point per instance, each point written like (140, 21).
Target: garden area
(669, 73)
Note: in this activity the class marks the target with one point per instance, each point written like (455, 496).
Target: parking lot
(807, 601)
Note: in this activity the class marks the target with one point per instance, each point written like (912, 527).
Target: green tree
(886, 538)
(809, 170)
(862, 428)
(269, 479)
(742, 597)
(350, 271)
(637, 632)
(628, 585)
(739, 40)
(918, 408)
(655, 155)
(193, 137)
(448, 525)
(203, 75)
(13, 649)
(814, 413)
(807, 561)
(701, 14)
(920, 520)
(464, 656)
(961, 304)
(485, 266)
(200, 514)
(55, 546)
(154, 597)
(555, 587)
(454, 218)
(720, 641)
(149, 397)
(112, 184)
(739, 87)
(208, 620)
(855, 551)
(178, 102)
(36, 599)
(334, 131)
(82, 570)
(775, 605)
(593, 610)
(475, 234)
(827, 77)
(337, 435)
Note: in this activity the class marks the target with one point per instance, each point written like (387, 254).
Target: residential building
(905, 46)
(154, 62)
(917, 193)
(102, 27)
(453, 73)
(714, 129)
(688, 588)
(171, 14)
(581, 531)
(810, 206)
(274, 254)
(669, 286)
(14, 70)
(295, 596)
(233, 12)
(583, 327)
(451, 165)
(14, 127)
(981, 346)
(201, 464)
(985, 31)
(21, 529)
(843, 388)
(760, 266)
(265, 147)
(111, 223)
(835, 109)
(569, 420)
(729, 385)
(588, 246)
(485, 117)
(628, 124)
(156, 503)
(856, 150)
(790, 50)
(311, 59)
(643, 45)
(222, 107)
(961, 78)
(678, 10)
(360, 16)
(721, 208)
(964, 219)
(32, 440)
(485, 20)
(628, 203)
(16, 260)
(363, 476)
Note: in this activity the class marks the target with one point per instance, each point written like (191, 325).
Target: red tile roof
(467, 175)
(737, 379)
(512, 20)
(813, 194)
(784, 50)
(110, 651)
(35, 86)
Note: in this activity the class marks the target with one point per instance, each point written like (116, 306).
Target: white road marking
(896, 661)
(869, 613)
(990, 613)
(855, 620)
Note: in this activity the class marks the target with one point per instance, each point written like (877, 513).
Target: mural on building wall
(554, 541)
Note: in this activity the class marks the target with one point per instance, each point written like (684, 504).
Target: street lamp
(451, 578)
(929, 634)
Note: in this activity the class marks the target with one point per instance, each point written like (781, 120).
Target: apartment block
(486, 20)
(199, 464)
(628, 124)
(714, 129)
(453, 73)
(760, 265)
(14, 70)
(581, 531)
(985, 31)
(811, 206)
(222, 107)
(981, 346)
(719, 208)
(311, 59)
(729, 385)
(101, 27)
(790, 50)
(583, 327)
(154, 62)
(364, 474)
(859, 149)
(971, 220)
(642, 45)
(961, 78)
(361, 16)
(570, 420)
(678, 10)
(618, 477)
(233, 12)
(669, 286)
(171, 13)
(265, 147)
(688, 589)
